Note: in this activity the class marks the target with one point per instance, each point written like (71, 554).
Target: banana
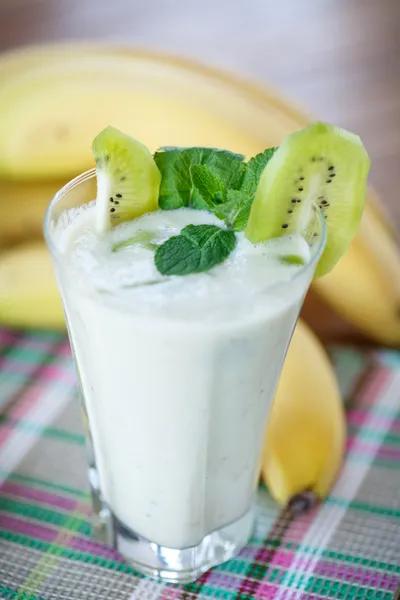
(364, 287)
(306, 433)
(25, 58)
(378, 213)
(28, 292)
(22, 209)
(52, 139)
(72, 100)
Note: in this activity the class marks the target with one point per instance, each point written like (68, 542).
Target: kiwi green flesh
(319, 165)
(142, 238)
(127, 177)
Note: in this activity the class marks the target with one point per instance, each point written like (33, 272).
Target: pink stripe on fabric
(42, 497)
(298, 528)
(15, 525)
(367, 398)
(84, 544)
(356, 575)
(170, 594)
(6, 429)
(356, 417)
(56, 372)
(27, 400)
(339, 571)
(64, 350)
(282, 558)
(374, 384)
(294, 533)
(363, 447)
(49, 534)
(266, 591)
(7, 337)
(263, 590)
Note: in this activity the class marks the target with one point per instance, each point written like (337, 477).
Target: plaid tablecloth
(348, 548)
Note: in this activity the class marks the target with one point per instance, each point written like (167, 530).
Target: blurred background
(338, 60)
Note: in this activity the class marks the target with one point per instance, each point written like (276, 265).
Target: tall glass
(175, 411)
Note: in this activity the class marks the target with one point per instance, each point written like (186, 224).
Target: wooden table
(340, 59)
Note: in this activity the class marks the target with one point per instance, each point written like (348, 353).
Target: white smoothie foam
(177, 372)
(128, 278)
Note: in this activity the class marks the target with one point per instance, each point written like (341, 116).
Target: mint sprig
(197, 248)
(205, 179)
(209, 185)
(175, 165)
(216, 180)
(254, 169)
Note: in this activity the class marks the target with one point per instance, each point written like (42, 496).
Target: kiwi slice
(320, 164)
(128, 180)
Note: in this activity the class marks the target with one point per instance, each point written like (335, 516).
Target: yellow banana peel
(306, 433)
(29, 295)
(364, 287)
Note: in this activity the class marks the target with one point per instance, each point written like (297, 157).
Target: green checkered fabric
(347, 548)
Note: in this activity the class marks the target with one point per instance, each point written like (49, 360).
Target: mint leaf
(210, 187)
(197, 248)
(235, 211)
(227, 210)
(243, 213)
(242, 199)
(175, 165)
(232, 206)
(254, 169)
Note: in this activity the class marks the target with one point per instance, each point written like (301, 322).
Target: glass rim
(91, 173)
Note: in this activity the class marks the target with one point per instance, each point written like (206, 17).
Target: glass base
(169, 564)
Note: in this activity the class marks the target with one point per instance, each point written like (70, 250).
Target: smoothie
(177, 372)
(182, 282)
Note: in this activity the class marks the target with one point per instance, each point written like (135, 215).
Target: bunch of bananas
(52, 103)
